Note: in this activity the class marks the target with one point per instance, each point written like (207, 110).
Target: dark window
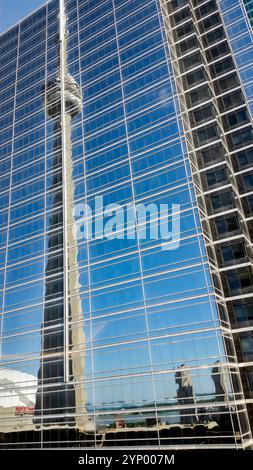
(228, 82)
(181, 16)
(218, 51)
(195, 77)
(203, 114)
(216, 176)
(250, 203)
(191, 60)
(250, 377)
(216, 281)
(248, 182)
(239, 281)
(211, 154)
(233, 252)
(247, 345)
(188, 45)
(221, 201)
(185, 30)
(231, 100)
(201, 94)
(210, 22)
(214, 36)
(227, 225)
(223, 66)
(243, 311)
(177, 3)
(242, 137)
(245, 158)
(207, 133)
(196, 2)
(238, 117)
(206, 8)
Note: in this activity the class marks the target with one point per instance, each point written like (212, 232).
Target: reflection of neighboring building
(17, 400)
(220, 377)
(221, 381)
(185, 395)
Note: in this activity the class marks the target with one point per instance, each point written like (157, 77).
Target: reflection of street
(17, 400)
(125, 426)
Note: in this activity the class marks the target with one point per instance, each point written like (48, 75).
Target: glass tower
(110, 336)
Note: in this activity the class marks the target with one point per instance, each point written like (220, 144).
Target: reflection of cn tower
(60, 397)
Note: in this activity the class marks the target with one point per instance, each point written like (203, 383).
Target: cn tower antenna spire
(62, 20)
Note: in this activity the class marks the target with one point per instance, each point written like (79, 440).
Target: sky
(11, 11)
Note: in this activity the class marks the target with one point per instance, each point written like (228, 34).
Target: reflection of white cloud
(17, 388)
(96, 331)
(164, 96)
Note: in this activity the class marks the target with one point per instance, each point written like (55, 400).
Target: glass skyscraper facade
(126, 341)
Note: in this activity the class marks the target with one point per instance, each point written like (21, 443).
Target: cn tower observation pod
(72, 94)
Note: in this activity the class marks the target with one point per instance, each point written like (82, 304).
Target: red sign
(24, 410)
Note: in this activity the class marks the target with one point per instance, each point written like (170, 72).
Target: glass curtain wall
(155, 361)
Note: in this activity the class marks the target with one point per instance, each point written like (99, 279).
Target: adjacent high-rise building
(249, 9)
(110, 333)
